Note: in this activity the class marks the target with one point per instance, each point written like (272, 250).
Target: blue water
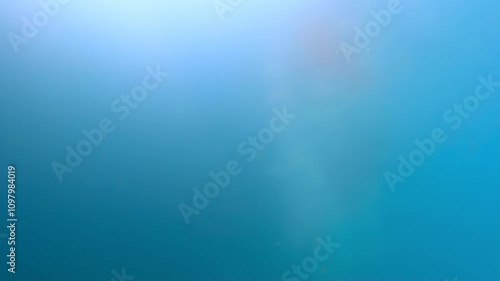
(322, 175)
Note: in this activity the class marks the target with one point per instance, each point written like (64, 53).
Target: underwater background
(219, 77)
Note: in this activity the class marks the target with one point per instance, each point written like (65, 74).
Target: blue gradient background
(324, 175)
